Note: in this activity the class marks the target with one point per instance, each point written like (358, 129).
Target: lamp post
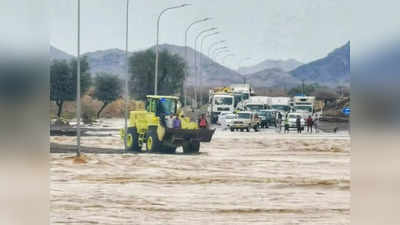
(126, 90)
(214, 52)
(157, 43)
(186, 37)
(78, 85)
(219, 52)
(200, 70)
(195, 57)
(213, 45)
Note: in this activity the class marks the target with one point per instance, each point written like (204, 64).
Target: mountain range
(332, 70)
(285, 65)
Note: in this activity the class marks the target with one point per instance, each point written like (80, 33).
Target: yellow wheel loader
(150, 128)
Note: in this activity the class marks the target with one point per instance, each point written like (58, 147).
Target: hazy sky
(261, 29)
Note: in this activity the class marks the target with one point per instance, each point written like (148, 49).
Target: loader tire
(153, 144)
(132, 141)
(191, 147)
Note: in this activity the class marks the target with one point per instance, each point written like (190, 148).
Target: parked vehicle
(226, 120)
(268, 118)
(282, 104)
(221, 117)
(304, 105)
(245, 120)
(220, 100)
(292, 120)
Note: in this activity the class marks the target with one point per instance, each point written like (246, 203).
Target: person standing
(309, 124)
(279, 124)
(316, 125)
(170, 121)
(286, 124)
(203, 121)
(177, 122)
(298, 124)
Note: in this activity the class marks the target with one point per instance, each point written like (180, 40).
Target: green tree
(63, 77)
(108, 88)
(171, 73)
(308, 89)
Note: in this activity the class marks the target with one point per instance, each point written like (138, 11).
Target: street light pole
(215, 51)
(186, 37)
(212, 46)
(78, 86)
(224, 50)
(195, 58)
(157, 44)
(127, 77)
(200, 70)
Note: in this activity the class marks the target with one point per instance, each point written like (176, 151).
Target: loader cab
(162, 105)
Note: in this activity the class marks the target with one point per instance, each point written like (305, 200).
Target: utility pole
(303, 86)
(157, 44)
(78, 86)
(127, 77)
(186, 37)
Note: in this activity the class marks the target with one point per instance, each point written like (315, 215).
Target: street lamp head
(184, 5)
(208, 18)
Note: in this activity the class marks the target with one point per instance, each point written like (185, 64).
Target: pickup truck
(245, 121)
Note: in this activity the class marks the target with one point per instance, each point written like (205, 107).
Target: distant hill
(332, 70)
(213, 73)
(113, 61)
(284, 65)
(56, 53)
(274, 77)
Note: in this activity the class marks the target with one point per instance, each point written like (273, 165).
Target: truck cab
(220, 103)
(304, 105)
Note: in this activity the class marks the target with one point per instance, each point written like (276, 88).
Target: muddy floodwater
(239, 178)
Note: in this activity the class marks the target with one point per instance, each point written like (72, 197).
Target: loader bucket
(180, 135)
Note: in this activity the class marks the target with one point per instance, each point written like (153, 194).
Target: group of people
(310, 123)
(173, 121)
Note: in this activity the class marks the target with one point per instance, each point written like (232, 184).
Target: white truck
(242, 92)
(304, 105)
(220, 100)
(281, 104)
(257, 103)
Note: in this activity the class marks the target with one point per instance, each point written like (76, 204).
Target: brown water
(239, 178)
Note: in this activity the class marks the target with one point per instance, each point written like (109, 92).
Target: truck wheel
(152, 142)
(232, 129)
(191, 147)
(132, 140)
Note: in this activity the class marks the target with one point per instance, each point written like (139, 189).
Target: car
(227, 119)
(221, 117)
(245, 120)
(292, 117)
(268, 118)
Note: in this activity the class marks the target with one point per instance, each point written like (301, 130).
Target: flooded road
(239, 178)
